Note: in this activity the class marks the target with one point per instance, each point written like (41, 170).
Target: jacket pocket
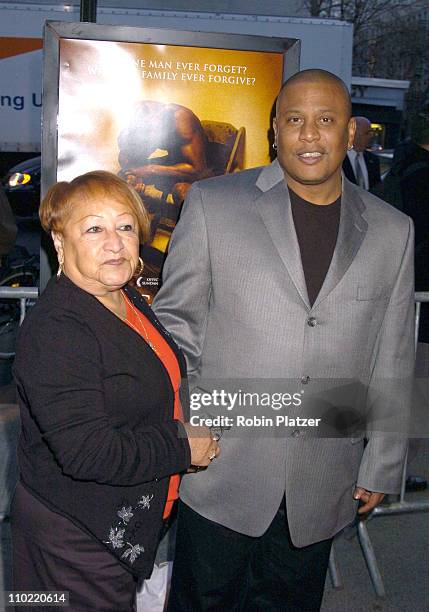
(366, 294)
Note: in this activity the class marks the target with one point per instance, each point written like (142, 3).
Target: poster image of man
(162, 151)
(164, 145)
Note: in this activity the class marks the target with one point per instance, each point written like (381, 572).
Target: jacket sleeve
(182, 304)
(58, 370)
(390, 389)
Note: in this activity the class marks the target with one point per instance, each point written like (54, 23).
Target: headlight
(19, 178)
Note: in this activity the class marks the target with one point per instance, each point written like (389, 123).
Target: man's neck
(322, 194)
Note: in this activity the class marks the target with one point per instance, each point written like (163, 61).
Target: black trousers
(50, 553)
(216, 568)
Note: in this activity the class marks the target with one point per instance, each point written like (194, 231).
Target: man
(361, 166)
(280, 273)
(163, 151)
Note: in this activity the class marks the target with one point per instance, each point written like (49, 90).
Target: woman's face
(99, 245)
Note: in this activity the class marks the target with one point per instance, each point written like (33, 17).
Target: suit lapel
(351, 233)
(275, 209)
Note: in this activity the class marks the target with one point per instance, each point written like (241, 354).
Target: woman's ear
(57, 239)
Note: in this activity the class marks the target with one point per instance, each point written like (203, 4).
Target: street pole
(88, 11)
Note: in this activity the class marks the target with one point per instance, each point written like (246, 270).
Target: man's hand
(130, 178)
(140, 171)
(371, 499)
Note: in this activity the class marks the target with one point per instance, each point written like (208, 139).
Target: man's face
(364, 135)
(313, 130)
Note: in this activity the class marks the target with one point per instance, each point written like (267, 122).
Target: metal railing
(398, 507)
(22, 294)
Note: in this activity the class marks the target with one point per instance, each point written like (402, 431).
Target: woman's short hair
(57, 205)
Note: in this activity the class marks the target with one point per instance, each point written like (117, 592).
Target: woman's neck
(115, 302)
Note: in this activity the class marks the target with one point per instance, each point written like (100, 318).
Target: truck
(324, 44)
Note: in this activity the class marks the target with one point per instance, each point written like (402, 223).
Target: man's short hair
(317, 74)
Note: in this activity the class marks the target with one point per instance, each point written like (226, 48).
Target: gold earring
(60, 267)
(141, 268)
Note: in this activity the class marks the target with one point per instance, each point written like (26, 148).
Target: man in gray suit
(288, 272)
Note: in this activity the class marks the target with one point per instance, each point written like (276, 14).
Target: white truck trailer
(324, 44)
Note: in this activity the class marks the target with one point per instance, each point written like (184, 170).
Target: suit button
(312, 321)
(295, 433)
(305, 380)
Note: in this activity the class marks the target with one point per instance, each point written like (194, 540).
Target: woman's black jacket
(98, 439)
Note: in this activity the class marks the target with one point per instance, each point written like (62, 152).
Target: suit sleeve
(390, 389)
(182, 304)
(58, 370)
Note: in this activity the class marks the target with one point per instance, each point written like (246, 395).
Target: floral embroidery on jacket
(118, 532)
(126, 514)
(144, 501)
(116, 537)
(132, 552)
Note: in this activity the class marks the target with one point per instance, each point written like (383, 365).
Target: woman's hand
(204, 448)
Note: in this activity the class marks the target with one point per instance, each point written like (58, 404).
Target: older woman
(99, 383)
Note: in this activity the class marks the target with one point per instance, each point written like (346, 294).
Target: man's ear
(275, 130)
(351, 132)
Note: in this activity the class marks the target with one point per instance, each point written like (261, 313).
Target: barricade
(9, 423)
(401, 506)
(398, 507)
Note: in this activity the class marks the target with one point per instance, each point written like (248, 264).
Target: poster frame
(54, 31)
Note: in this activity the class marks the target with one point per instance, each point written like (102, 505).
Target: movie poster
(162, 117)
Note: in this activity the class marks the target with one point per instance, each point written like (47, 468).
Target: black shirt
(316, 228)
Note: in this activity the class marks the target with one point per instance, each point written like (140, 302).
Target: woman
(98, 381)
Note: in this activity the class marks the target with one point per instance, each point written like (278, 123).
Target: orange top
(141, 324)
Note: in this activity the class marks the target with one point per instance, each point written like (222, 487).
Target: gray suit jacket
(234, 298)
